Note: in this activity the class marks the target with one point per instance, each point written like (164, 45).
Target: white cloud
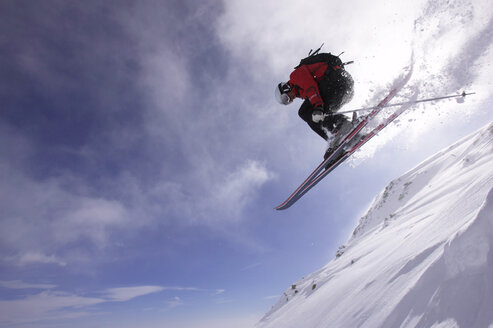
(229, 196)
(90, 218)
(18, 284)
(54, 305)
(44, 306)
(212, 198)
(123, 294)
(41, 218)
(219, 291)
(34, 257)
(175, 302)
(286, 34)
(196, 125)
(251, 266)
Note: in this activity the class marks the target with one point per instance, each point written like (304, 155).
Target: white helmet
(281, 93)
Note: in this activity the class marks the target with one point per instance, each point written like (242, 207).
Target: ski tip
(287, 204)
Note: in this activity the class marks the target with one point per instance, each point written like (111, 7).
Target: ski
(353, 149)
(339, 151)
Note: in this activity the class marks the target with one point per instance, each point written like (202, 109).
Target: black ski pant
(330, 122)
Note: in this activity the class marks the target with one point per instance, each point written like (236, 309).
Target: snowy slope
(420, 257)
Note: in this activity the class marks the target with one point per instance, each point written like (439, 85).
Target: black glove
(318, 115)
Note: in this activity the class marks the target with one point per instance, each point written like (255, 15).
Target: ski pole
(463, 94)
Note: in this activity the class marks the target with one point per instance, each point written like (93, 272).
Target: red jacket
(304, 80)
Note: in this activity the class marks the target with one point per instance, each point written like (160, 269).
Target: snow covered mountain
(421, 256)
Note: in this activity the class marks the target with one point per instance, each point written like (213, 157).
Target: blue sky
(142, 151)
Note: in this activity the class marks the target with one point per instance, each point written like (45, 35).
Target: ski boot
(343, 128)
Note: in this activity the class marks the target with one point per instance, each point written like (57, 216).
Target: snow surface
(420, 257)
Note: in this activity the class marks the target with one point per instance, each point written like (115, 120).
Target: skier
(325, 86)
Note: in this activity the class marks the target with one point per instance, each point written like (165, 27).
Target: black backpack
(323, 57)
(316, 57)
